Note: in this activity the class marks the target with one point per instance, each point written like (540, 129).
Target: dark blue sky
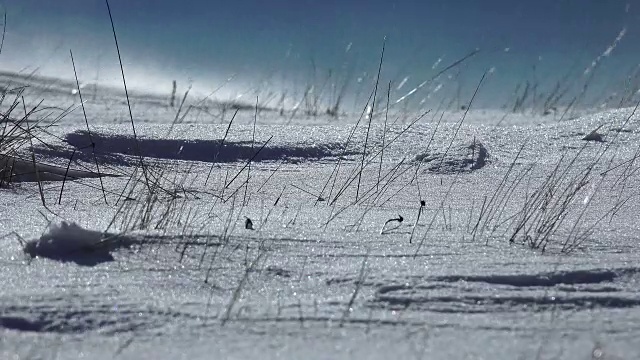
(275, 42)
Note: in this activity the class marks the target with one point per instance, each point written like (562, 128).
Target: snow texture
(519, 237)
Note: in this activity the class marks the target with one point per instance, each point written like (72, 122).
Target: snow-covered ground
(518, 239)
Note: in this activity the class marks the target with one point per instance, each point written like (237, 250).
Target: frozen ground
(162, 263)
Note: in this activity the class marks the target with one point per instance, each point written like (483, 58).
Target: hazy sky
(276, 42)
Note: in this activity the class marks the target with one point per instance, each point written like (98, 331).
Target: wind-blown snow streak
(579, 289)
(79, 314)
(119, 149)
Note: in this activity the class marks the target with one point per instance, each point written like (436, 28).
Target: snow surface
(160, 263)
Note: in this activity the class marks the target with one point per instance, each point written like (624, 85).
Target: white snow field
(281, 238)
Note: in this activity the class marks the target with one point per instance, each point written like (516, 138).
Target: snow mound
(459, 158)
(69, 242)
